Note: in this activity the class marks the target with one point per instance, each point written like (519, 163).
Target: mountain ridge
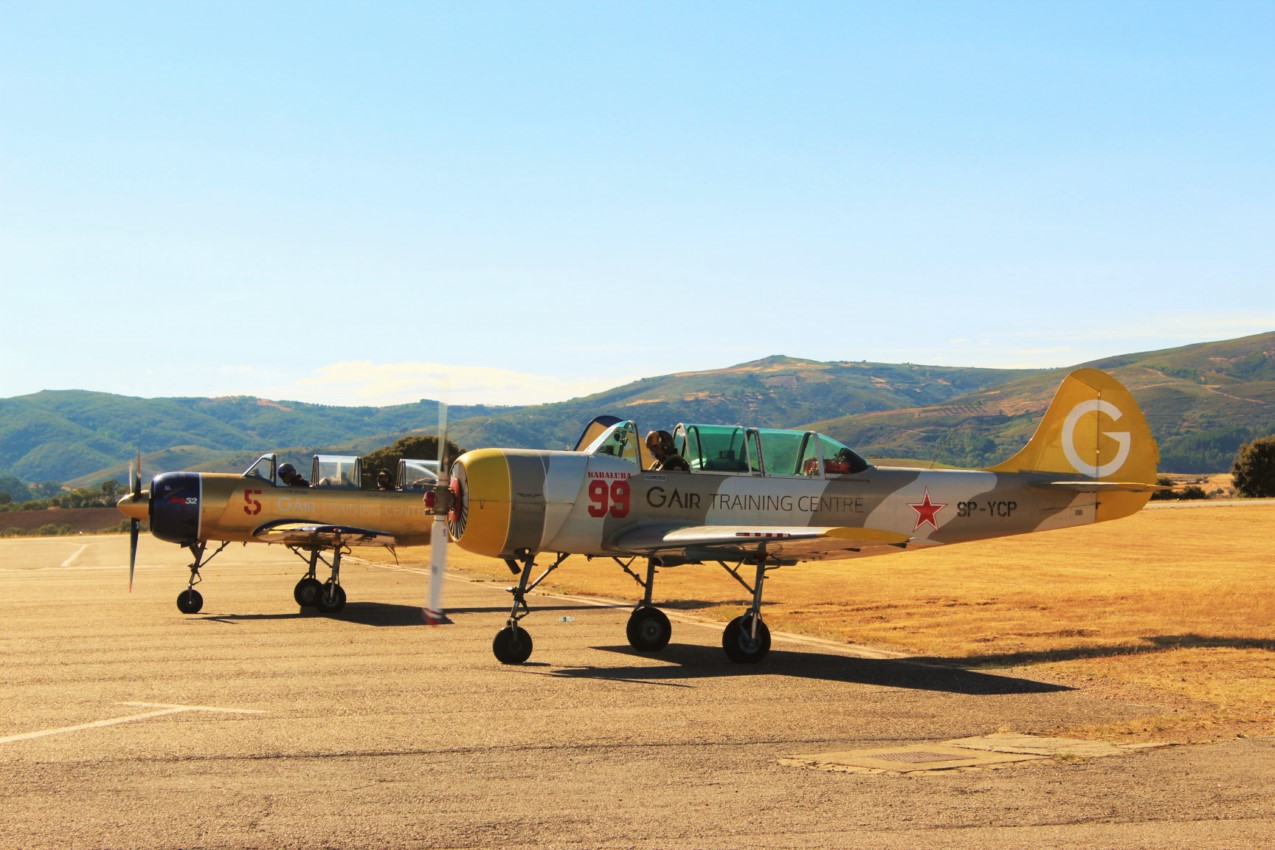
(1203, 400)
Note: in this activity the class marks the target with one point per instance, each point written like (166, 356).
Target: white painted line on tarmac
(71, 559)
(194, 707)
(115, 721)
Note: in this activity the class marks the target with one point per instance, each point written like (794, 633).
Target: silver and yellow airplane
(193, 509)
(764, 498)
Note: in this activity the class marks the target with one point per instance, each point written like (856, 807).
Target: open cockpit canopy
(734, 449)
(416, 476)
(341, 472)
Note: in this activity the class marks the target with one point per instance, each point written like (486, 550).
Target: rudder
(1093, 427)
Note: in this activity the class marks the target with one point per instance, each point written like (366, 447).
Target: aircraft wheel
(740, 646)
(649, 629)
(512, 645)
(331, 598)
(189, 601)
(307, 592)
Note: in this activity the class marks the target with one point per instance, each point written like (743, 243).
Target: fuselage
(186, 507)
(578, 503)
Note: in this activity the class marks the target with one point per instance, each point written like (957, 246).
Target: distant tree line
(1190, 492)
(17, 496)
(415, 447)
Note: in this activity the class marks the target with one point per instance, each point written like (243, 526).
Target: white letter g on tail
(1122, 439)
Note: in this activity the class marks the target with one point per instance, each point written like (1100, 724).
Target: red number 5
(253, 506)
(613, 500)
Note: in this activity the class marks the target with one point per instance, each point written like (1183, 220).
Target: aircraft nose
(134, 507)
(481, 483)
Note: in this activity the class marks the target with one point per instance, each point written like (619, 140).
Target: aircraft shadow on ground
(1151, 643)
(691, 662)
(383, 614)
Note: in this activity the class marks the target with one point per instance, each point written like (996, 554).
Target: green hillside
(1202, 401)
(65, 435)
(773, 392)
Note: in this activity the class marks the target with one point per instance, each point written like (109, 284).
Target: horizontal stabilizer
(1100, 486)
(312, 534)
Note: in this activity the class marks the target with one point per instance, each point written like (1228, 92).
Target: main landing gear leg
(648, 629)
(329, 596)
(746, 639)
(190, 601)
(332, 598)
(308, 589)
(512, 644)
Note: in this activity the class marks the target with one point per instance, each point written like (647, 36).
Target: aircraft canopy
(737, 450)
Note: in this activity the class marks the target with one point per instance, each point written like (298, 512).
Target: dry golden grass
(1174, 606)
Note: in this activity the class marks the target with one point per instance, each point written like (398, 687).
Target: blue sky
(519, 202)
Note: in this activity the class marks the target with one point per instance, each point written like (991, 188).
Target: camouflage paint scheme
(1092, 459)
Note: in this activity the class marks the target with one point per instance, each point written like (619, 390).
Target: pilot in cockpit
(660, 444)
(288, 475)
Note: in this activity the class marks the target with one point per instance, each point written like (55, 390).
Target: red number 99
(613, 499)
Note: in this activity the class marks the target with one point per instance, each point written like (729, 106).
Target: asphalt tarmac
(125, 723)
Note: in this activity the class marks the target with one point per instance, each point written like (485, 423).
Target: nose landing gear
(191, 601)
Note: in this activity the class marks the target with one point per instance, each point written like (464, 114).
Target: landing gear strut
(190, 601)
(746, 639)
(329, 596)
(648, 629)
(512, 644)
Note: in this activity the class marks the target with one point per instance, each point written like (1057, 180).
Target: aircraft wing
(804, 542)
(317, 534)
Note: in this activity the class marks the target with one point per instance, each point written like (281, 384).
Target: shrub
(1254, 468)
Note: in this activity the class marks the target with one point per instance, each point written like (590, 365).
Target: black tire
(649, 629)
(190, 601)
(512, 645)
(307, 592)
(740, 646)
(331, 598)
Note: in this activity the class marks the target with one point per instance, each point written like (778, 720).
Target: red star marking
(926, 511)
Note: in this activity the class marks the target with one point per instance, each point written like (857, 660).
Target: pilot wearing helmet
(660, 444)
(288, 475)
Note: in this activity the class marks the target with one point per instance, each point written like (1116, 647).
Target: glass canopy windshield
(718, 448)
(808, 453)
(620, 440)
(736, 450)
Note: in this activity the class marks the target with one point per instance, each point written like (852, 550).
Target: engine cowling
(175, 503)
(481, 511)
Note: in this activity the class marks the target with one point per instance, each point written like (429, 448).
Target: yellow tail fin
(1094, 428)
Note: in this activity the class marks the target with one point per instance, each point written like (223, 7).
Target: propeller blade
(437, 568)
(438, 535)
(133, 528)
(135, 477)
(135, 525)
